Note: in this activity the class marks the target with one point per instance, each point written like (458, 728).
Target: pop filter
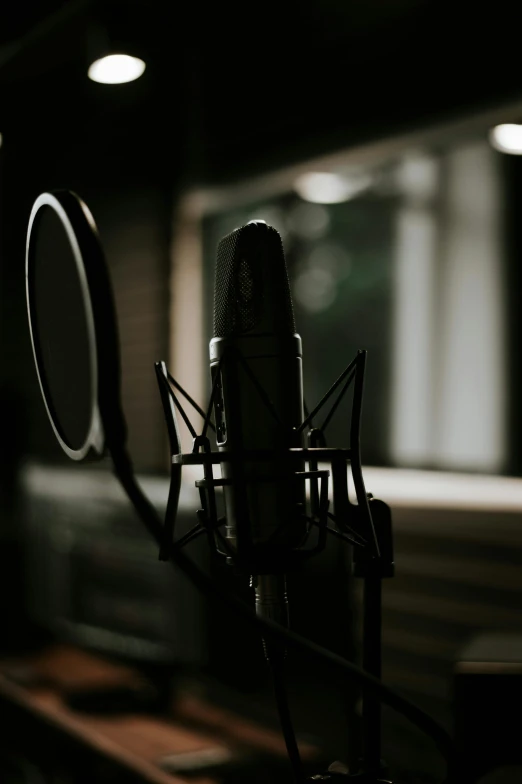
(73, 326)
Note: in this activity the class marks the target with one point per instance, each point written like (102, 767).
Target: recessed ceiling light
(507, 138)
(329, 187)
(116, 69)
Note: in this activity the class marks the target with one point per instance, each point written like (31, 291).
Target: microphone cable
(285, 719)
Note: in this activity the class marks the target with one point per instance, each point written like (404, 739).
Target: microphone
(256, 368)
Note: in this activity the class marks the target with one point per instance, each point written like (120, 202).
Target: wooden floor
(135, 742)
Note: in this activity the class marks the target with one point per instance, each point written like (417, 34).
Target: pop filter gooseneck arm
(79, 226)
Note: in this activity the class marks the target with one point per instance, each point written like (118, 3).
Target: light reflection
(273, 216)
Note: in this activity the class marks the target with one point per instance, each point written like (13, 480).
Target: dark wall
(135, 231)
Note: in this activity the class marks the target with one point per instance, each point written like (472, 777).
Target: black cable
(214, 592)
(285, 720)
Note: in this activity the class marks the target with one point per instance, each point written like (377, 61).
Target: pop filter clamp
(365, 525)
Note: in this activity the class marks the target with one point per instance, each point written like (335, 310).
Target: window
(410, 266)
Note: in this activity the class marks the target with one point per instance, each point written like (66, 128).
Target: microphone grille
(252, 292)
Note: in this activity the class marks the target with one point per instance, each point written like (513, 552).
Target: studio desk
(37, 724)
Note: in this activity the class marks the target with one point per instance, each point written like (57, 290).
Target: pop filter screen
(60, 323)
(71, 321)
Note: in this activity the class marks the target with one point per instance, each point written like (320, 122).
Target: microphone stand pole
(372, 571)
(372, 563)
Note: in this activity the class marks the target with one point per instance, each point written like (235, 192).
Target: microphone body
(258, 404)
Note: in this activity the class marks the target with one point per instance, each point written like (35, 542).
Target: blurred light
(507, 138)
(329, 187)
(315, 289)
(470, 426)
(414, 331)
(1, 139)
(418, 177)
(116, 69)
(309, 221)
(330, 257)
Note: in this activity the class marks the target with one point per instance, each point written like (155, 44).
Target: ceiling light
(329, 187)
(507, 138)
(116, 69)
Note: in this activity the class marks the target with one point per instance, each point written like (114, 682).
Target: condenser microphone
(256, 367)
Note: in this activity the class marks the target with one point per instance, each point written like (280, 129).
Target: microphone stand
(367, 525)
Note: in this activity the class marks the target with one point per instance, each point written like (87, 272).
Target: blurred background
(382, 140)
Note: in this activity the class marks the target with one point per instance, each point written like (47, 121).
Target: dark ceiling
(230, 89)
